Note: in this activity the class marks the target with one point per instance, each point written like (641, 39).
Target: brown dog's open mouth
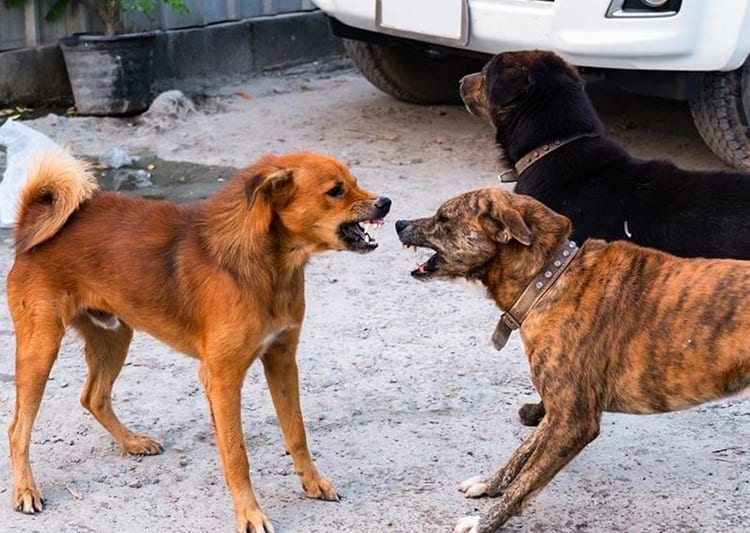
(355, 235)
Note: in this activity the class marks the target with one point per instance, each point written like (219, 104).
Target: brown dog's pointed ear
(503, 223)
(268, 185)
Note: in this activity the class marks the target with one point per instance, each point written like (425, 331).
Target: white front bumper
(703, 36)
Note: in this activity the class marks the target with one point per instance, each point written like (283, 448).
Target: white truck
(695, 50)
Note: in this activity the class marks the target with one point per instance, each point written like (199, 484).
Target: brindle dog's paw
(531, 414)
(28, 500)
(468, 524)
(474, 487)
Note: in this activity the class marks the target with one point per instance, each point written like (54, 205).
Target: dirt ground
(403, 395)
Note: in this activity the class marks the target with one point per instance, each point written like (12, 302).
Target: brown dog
(220, 280)
(623, 328)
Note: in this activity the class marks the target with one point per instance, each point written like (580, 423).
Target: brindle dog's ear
(503, 223)
(268, 185)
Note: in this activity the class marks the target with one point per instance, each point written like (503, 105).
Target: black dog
(548, 131)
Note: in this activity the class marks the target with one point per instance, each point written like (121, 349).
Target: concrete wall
(36, 76)
(25, 26)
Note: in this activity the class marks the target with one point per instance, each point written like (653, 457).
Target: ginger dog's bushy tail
(56, 186)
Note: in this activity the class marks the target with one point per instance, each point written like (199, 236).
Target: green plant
(108, 11)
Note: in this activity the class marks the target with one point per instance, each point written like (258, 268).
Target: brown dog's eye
(336, 191)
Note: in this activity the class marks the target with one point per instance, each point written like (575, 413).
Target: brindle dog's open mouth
(427, 269)
(356, 237)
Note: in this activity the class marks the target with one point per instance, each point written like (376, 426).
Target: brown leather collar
(510, 175)
(533, 292)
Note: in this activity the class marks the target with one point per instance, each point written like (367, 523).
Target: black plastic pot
(110, 75)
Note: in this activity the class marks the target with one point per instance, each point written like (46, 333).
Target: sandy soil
(402, 393)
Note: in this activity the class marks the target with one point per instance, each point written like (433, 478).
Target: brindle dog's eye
(442, 219)
(337, 191)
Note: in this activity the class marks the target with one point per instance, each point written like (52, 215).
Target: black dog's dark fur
(535, 97)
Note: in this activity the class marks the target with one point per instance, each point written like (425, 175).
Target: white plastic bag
(22, 144)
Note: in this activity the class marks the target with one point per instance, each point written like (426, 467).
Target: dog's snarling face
(510, 77)
(465, 233)
(316, 202)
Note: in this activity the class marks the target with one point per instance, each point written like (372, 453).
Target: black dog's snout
(383, 205)
(401, 225)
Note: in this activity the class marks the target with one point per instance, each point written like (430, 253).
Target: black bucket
(110, 75)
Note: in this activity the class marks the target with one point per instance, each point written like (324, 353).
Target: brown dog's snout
(383, 205)
(401, 225)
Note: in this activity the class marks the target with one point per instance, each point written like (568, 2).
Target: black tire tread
(411, 74)
(720, 117)
(370, 59)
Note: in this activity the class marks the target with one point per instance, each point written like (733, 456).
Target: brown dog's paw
(468, 524)
(474, 487)
(531, 414)
(28, 500)
(253, 521)
(320, 489)
(141, 445)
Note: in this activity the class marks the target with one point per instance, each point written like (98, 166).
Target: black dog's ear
(506, 83)
(267, 185)
(558, 71)
(503, 223)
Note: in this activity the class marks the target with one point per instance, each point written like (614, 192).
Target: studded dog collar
(533, 292)
(512, 174)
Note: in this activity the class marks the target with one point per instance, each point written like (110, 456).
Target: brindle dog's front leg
(559, 442)
(478, 486)
(280, 365)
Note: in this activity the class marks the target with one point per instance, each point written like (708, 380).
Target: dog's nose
(401, 225)
(383, 204)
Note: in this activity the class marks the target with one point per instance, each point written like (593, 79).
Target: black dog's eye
(336, 191)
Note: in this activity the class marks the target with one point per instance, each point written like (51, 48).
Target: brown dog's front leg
(558, 444)
(223, 388)
(280, 365)
(531, 414)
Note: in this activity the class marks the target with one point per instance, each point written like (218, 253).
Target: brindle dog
(624, 328)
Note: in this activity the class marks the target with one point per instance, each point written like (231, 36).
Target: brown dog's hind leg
(38, 334)
(106, 350)
(531, 414)
(280, 367)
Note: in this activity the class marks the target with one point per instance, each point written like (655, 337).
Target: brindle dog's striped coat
(624, 329)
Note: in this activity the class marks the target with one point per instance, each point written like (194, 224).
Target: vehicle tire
(721, 111)
(410, 74)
